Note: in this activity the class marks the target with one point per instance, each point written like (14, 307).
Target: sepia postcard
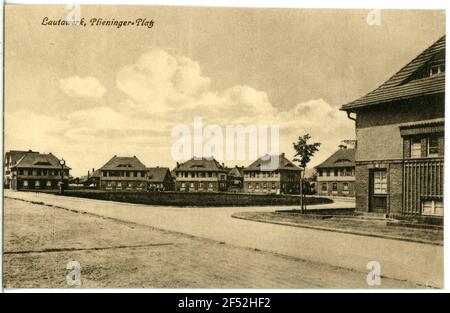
(223, 147)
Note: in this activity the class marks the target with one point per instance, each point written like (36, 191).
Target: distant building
(336, 175)
(160, 179)
(11, 158)
(205, 174)
(272, 174)
(37, 171)
(92, 179)
(400, 139)
(123, 174)
(235, 179)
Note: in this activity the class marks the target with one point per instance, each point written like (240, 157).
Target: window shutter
(406, 148)
(424, 145)
(441, 145)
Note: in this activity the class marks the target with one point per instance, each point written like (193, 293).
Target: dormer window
(437, 69)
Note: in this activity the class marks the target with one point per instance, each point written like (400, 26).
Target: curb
(337, 230)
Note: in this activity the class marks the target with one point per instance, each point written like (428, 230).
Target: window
(345, 187)
(336, 172)
(192, 185)
(324, 187)
(257, 185)
(274, 186)
(130, 185)
(334, 187)
(104, 173)
(433, 146)
(25, 183)
(183, 185)
(20, 172)
(200, 185)
(48, 183)
(380, 182)
(416, 147)
(265, 185)
(210, 185)
(119, 184)
(432, 207)
(320, 173)
(250, 186)
(328, 173)
(37, 183)
(109, 184)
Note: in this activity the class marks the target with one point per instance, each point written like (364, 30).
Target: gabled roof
(201, 164)
(16, 155)
(403, 84)
(39, 160)
(123, 163)
(157, 174)
(270, 163)
(341, 158)
(236, 172)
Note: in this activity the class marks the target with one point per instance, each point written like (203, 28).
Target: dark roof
(157, 174)
(123, 163)
(16, 155)
(283, 164)
(201, 164)
(236, 172)
(403, 85)
(341, 158)
(39, 160)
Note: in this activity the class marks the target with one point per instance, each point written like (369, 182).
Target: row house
(336, 175)
(200, 175)
(37, 171)
(272, 174)
(399, 159)
(123, 174)
(235, 178)
(160, 179)
(11, 158)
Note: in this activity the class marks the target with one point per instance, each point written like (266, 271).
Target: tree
(303, 154)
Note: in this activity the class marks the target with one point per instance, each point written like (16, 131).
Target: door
(378, 191)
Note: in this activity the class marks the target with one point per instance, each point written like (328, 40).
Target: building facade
(160, 179)
(336, 175)
(272, 174)
(123, 174)
(235, 179)
(38, 171)
(201, 175)
(11, 158)
(400, 139)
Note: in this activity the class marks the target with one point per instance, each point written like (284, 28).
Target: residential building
(336, 175)
(400, 139)
(38, 171)
(200, 175)
(235, 179)
(272, 174)
(11, 158)
(123, 174)
(160, 179)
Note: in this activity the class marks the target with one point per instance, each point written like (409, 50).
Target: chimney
(178, 164)
(93, 170)
(282, 155)
(223, 164)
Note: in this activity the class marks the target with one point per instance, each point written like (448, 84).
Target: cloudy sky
(88, 93)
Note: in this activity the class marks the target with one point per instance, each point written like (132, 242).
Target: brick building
(160, 179)
(400, 139)
(272, 174)
(123, 174)
(36, 171)
(336, 175)
(200, 175)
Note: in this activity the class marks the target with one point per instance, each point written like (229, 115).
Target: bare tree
(303, 154)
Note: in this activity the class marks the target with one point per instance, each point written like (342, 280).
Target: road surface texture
(408, 263)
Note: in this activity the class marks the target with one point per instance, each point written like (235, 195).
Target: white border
(343, 4)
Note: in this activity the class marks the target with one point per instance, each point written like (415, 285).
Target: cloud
(88, 87)
(162, 91)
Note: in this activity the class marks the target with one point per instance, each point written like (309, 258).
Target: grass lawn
(348, 224)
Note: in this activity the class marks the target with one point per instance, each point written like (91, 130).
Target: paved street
(417, 263)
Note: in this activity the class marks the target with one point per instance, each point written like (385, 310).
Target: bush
(182, 199)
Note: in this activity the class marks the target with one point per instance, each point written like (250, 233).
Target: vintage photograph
(212, 147)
